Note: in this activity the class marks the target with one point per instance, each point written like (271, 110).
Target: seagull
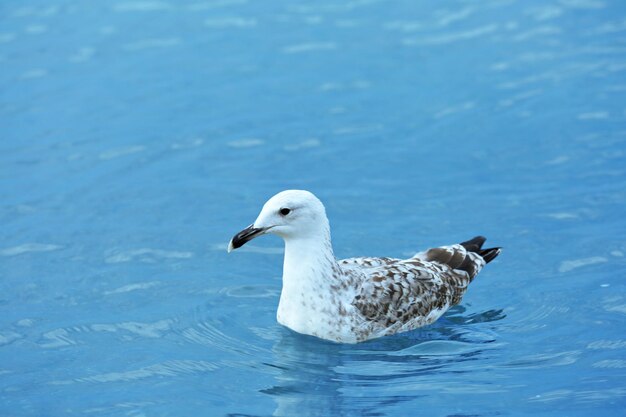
(357, 299)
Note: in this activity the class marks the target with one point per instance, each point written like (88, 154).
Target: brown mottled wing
(415, 292)
(455, 257)
(367, 262)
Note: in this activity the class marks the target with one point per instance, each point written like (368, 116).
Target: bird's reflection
(307, 384)
(319, 378)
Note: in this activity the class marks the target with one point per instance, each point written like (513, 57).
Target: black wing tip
(490, 254)
(476, 245)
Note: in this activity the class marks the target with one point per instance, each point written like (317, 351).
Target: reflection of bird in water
(327, 379)
(357, 299)
(314, 378)
(307, 383)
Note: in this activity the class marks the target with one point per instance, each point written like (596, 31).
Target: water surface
(137, 137)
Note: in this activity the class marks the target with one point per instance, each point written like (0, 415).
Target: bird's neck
(308, 259)
(309, 269)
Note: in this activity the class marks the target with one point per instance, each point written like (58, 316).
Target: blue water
(137, 136)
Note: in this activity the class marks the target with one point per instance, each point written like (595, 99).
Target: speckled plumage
(357, 299)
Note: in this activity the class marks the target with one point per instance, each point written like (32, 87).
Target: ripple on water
(141, 6)
(542, 13)
(541, 31)
(230, 22)
(469, 105)
(133, 287)
(148, 330)
(621, 308)
(246, 143)
(6, 37)
(567, 266)
(520, 97)
(66, 336)
(607, 344)
(406, 26)
(29, 247)
(583, 4)
(457, 315)
(251, 291)
(309, 47)
(25, 322)
(421, 357)
(561, 215)
(376, 369)
(452, 37)
(207, 334)
(82, 55)
(432, 382)
(305, 144)
(7, 338)
(534, 319)
(443, 348)
(611, 363)
(265, 333)
(188, 144)
(594, 115)
(358, 130)
(542, 360)
(56, 338)
(151, 44)
(208, 5)
(451, 16)
(172, 368)
(35, 29)
(144, 255)
(131, 408)
(116, 153)
(587, 396)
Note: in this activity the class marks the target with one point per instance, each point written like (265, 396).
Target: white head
(291, 214)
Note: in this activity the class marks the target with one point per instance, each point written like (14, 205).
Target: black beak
(244, 236)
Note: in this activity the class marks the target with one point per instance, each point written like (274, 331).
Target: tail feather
(490, 254)
(476, 244)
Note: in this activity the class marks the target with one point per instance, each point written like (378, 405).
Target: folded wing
(406, 294)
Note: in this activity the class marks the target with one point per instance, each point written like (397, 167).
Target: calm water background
(136, 137)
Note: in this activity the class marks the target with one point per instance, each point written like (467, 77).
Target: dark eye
(284, 211)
